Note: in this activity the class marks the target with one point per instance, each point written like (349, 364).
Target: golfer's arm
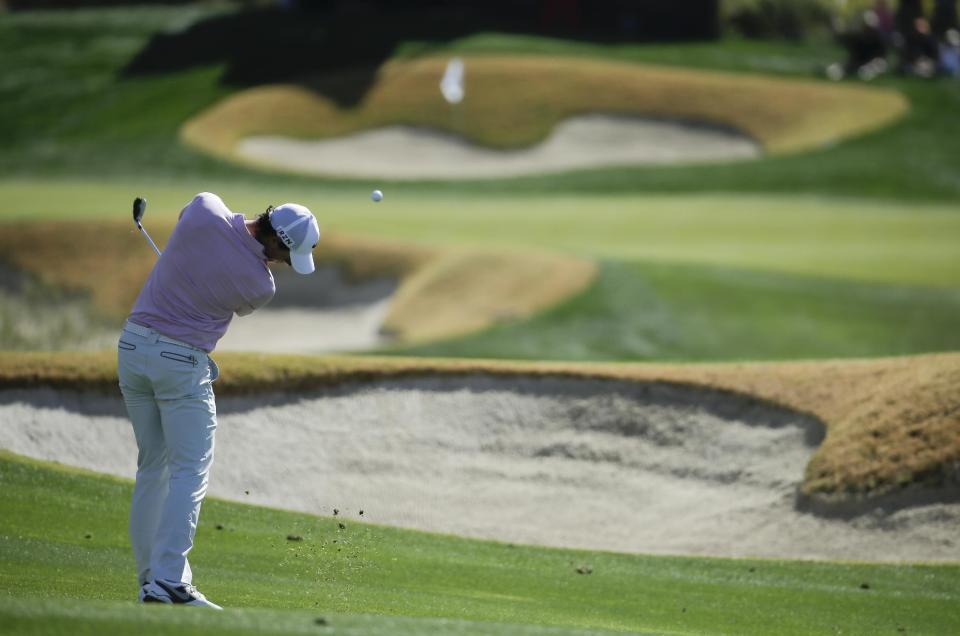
(249, 307)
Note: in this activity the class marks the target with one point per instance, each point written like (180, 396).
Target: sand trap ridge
(586, 141)
(563, 462)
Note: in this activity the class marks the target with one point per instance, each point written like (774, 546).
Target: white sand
(320, 313)
(586, 141)
(307, 330)
(553, 462)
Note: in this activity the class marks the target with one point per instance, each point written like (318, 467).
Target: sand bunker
(587, 141)
(319, 313)
(561, 462)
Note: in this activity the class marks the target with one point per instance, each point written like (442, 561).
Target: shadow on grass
(273, 45)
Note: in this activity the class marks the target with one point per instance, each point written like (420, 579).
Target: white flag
(452, 83)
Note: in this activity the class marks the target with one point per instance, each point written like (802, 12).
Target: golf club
(139, 208)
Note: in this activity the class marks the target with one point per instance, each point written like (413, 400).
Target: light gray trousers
(167, 388)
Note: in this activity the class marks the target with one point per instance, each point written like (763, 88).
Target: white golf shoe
(159, 591)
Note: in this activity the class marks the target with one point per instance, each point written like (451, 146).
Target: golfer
(214, 266)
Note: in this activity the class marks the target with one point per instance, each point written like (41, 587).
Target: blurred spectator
(950, 53)
(920, 52)
(561, 16)
(944, 18)
(627, 18)
(866, 48)
(885, 21)
(908, 11)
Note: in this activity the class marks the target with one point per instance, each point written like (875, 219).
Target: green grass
(43, 618)
(648, 311)
(847, 239)
(65, 108)
(72, 552)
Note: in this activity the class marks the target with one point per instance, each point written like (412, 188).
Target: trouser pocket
(180, 357)
(178, 374)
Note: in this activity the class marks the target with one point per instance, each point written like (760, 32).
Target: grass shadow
(268, 45)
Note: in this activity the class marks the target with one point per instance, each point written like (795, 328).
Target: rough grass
(893, 424)
(66, 568)
(516, 100)
(443, 291)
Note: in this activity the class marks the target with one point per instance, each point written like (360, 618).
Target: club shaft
(152, 244)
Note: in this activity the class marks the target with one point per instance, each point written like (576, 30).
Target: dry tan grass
(464, 291)
(891, 422)
(442, 292)
(515, 101)
(70, 256)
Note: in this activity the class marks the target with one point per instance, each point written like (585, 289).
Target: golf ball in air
(376, 195)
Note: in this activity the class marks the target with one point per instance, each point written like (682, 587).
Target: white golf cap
(298, 229)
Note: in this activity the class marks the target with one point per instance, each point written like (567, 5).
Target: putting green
(830, 237)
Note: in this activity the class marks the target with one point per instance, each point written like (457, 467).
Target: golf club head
(139, 208)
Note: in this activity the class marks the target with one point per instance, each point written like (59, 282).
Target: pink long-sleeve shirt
(211, 269)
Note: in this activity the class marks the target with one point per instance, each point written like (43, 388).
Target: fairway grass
(839, 238)
(72, 617)
(66, 567)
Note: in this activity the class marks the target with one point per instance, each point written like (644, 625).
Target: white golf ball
(376, 195)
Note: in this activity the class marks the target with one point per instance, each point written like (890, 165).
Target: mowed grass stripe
(836, 238)
(27, 617)
(74, 547)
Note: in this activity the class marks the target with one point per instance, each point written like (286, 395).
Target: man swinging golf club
(214, 266)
